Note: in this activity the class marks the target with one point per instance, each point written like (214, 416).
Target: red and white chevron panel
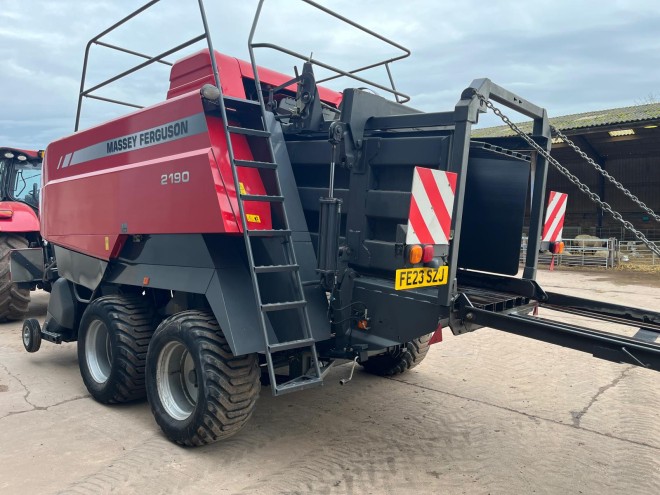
(431, 206)
(554, 217)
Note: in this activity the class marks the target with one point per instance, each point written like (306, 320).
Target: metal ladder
(245, 110)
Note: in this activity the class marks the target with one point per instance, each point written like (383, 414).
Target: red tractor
(20, 184)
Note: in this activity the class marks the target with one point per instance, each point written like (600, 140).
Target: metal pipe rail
(642, 350)
(603, 310)
(600, 344)
(88, 93)
(399, 96)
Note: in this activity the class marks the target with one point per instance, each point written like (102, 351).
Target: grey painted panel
(493, 213)
(317, 309)
(426, 151)
(228, 291)
(26, 265)
(317, 303)
(179, 278)
(398, 316)
(168, 250)
(375, 342)
(80, 268)
(62, 304)
(306, 258)
(388, 204)
(288, 185)
(232, 301)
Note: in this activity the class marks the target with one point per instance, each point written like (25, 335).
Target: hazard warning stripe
(438, 201)
(431, 206)
(554, 217)
(421, 230)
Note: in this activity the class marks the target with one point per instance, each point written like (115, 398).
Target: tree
(651, 97)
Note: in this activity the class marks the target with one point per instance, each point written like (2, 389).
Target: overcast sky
(566, 55)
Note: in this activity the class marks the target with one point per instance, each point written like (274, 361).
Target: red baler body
(120, 178)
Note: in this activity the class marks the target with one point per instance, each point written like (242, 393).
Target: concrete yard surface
(486, 412)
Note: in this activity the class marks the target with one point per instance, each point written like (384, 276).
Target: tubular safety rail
(400, 97)
(89, 92)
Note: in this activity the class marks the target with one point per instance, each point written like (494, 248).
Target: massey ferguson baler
(258, 226)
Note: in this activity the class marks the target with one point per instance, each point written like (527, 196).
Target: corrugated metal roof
(613, 116)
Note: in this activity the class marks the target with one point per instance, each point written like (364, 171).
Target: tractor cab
(20, 176)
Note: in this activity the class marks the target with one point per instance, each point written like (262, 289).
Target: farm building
(623, 141)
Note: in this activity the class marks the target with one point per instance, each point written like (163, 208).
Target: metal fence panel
(581, 252)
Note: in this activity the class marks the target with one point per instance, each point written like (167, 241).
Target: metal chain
(604, 173)
(563, 170)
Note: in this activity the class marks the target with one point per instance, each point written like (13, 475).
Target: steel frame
(96, 40)
(400, 97)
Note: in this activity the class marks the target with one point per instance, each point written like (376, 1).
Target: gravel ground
(486, 412)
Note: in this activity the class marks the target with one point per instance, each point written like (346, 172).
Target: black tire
(31, 334)
(14, 302)
(214, 396)
(400, 360)
(113, 338)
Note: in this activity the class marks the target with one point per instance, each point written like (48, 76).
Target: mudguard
(22, 219)
(212, 265)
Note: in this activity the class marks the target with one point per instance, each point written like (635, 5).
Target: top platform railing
(399, 96)
(92, 92)
(149, 60)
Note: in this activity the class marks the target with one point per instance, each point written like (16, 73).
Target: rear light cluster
(557, 247)
(418, 253)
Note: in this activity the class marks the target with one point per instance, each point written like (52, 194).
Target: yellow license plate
(412, 278)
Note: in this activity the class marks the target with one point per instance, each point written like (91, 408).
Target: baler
(255, 226)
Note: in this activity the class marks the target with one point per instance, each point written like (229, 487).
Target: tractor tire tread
(232, 383)
(410, 355)
(133, 320)
(14, 302)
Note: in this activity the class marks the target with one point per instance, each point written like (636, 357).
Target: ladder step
(269, 233)
(248, 132)
(275, 268)
(253, 164)
(297, 384)
(293, 344)
(281, 306)
(261, 197)
(240, 104)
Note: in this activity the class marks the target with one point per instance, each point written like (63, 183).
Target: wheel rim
(176, 379)
(98, 351)
(26, 336)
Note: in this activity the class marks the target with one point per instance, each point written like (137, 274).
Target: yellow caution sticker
(241, 188)
(253, 218)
